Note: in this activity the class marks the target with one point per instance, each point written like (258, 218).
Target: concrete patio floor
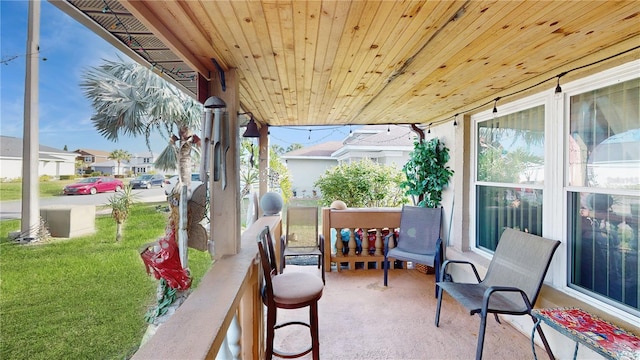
(361, 319)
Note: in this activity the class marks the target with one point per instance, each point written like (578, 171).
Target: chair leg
(543, 338)
(386, 269)
(313, 322)
(271, 324)
(483, 327)
(438, 306)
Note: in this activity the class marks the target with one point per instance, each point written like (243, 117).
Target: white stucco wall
(11, 168)
(304, 172)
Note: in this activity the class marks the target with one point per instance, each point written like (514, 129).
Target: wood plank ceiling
(372, 62)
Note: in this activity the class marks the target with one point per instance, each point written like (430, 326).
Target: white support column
(31, 139)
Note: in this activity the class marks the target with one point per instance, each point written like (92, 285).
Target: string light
(455, 120)
(309, 138)
(389, 129)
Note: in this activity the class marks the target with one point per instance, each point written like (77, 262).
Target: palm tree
(119, 156)
(132, 100)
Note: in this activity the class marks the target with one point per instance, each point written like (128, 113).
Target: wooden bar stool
(288, 291)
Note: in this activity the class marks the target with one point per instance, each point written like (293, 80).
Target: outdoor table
(606, 339)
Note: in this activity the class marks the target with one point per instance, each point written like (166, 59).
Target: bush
(362, 184)
(45, 178)
(67, 177)
(96, 173)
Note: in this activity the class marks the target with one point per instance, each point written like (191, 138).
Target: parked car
(147, 181)
(93, 185)
(171, 182)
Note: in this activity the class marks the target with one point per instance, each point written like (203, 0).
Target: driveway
(13, 209)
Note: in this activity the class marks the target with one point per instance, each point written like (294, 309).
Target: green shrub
(67, 177)
(44, 178)
(96, 173)
(362, 184)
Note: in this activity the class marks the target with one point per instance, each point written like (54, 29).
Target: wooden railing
(227, 297)
(370, 220)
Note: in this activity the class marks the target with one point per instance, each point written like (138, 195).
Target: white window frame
(555, 221)
(503, 109)
(626, 72)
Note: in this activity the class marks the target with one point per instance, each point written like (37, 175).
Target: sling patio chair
(419, 239)
(301, 238)
(511, 285)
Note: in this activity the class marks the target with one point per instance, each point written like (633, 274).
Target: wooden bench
(606, 339)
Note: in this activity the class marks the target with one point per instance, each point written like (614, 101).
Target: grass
(81, 298)
(13, 190)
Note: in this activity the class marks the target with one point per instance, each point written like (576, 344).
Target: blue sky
(65, 114)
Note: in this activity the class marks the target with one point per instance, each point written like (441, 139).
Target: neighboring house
(142, 163)
(307, 164)
(110, 167)
(52, 162)
(89, 156)
(383, 144)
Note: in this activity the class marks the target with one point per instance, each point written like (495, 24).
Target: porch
(359, 318)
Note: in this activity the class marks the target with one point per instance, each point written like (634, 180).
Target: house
(524, 93)
(96, 160)
(383, 144)
(52, 162)
(111, 167)
(90, 156)
(142, 163)
(307, 164)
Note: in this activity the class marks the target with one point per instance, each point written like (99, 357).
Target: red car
(93, 185)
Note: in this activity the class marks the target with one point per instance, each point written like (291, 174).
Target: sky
(65, 114)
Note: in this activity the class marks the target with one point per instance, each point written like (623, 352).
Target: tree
(120, 204)
(293, 147)
(65, 148)
(279, 176)
(277, 149)
(119, 156)
(129, 99)
(248, 170)
(362, 184)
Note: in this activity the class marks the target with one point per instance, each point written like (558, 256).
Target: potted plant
(427, 173)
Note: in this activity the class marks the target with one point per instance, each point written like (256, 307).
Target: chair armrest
(386, 243)
(447, 262)
(494, 289)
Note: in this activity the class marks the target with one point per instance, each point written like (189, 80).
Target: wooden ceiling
(371, 62)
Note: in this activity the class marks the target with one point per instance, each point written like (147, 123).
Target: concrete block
(69, 220)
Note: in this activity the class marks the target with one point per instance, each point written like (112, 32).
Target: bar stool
(288, 291)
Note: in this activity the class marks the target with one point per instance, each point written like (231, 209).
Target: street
(12, 209)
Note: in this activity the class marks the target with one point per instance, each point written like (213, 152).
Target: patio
(361, 319)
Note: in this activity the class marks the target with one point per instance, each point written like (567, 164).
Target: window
(604, 178)
(510, 175)
(88, 159)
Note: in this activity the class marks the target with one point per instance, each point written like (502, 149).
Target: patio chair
(511, 285)
(292, 290)
(302, 238)
(419, 239)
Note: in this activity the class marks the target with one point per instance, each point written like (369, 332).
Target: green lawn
(81, 298)
(13, 190)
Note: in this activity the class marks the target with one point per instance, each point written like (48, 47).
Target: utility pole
(30, 140)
